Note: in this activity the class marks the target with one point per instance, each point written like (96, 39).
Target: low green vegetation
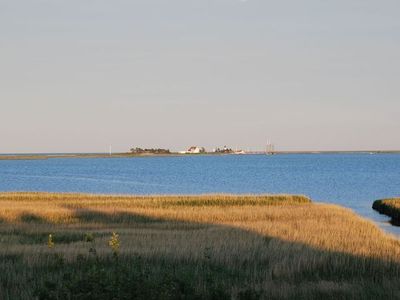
(138, 150)
(70, 246)
(389, 207)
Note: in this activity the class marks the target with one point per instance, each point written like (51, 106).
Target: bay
(350, 180)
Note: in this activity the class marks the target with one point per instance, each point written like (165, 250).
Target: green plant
(114, 243)
(50, 242)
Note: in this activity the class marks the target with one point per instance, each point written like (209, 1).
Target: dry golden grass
(282, 246)
(393, 202)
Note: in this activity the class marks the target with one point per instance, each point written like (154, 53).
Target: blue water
(351, 180)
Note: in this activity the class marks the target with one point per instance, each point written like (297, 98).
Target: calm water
(352, 180)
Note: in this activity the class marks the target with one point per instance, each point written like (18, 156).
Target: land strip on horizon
(173, 154)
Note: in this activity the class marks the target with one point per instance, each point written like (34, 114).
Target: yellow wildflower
(50, 242)
(114, 242)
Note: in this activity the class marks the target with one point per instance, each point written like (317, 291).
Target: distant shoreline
(390, 208)
(174, 154)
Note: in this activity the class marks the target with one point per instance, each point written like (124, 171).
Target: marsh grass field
(389, 207)
(191, 247)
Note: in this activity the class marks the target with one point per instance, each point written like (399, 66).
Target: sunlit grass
(277, 246)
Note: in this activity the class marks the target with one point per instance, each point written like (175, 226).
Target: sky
(80, 75)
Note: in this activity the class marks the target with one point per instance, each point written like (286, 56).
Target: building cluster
(223, 150)
(199, 150)
(190, 150)
(194, 150)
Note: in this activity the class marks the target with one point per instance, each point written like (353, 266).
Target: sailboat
(270, 148)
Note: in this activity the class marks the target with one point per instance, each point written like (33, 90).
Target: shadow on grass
(234, 262)
(92, 216)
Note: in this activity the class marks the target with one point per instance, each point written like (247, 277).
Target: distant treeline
(223, 150)
(138, 150)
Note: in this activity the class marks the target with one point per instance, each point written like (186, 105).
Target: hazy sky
(79, 75)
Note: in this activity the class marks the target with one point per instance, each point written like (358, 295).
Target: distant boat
(270, 148)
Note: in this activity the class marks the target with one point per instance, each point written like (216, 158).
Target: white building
(194, 150)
